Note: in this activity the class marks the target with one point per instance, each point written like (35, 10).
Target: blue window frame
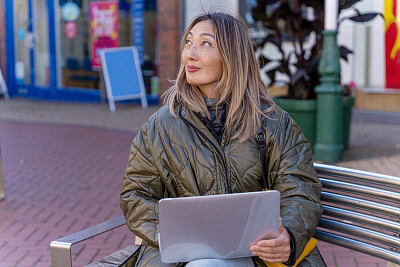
(32, 84)
(29, 87)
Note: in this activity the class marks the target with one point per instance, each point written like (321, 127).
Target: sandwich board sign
(123, 75)
(3, 86)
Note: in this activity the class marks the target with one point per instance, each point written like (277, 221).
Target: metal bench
(361, 212)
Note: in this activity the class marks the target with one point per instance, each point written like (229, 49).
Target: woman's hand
(273, 250)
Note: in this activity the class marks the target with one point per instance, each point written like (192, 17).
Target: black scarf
(218, 116)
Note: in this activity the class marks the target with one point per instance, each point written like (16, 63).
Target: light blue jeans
(238, 262)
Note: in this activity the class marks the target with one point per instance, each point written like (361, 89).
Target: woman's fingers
(270, 260)
(272, 254)
(274, 250)
(270, 250)
(277, 242)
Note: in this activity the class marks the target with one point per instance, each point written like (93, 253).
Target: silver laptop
(216, 227)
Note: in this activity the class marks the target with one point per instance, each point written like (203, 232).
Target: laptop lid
(217, 226)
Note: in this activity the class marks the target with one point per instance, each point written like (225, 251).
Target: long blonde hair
(240, 84)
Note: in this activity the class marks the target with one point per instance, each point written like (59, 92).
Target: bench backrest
(361, 211)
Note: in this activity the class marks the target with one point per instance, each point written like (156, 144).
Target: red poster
(104, 31)
(392, 43)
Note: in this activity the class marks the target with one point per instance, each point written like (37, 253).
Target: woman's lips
(191, 68)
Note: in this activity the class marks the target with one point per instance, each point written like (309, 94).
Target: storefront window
(41, 30)
(81, 27)
(84, 27)
(22, 64)
(32, 43)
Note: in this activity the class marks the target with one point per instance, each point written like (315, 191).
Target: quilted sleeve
(298, 183)
(142, 187)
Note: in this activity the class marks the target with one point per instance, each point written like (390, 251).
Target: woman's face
(201, 59)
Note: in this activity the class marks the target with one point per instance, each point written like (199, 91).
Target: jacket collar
(190, 118)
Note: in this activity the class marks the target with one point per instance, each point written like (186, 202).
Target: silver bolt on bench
(361, 212)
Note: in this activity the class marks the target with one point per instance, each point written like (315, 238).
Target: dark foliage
(291, 21)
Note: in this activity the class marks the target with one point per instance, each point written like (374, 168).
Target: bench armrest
(60, 249)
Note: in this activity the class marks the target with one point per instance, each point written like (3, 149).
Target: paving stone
(35, 216)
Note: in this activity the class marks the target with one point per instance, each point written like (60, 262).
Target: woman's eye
(188, 41)
(206, 43)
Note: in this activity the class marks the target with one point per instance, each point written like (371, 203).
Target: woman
(203, 142)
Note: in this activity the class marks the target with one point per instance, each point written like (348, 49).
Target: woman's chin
(191, 82)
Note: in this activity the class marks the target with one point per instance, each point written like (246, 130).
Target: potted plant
(298, 24)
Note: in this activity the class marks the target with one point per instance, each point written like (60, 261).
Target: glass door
(74, 65)
(32, 44)
(41, 41)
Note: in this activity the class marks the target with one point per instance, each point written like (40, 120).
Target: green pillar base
(328, 152)
(329, 135)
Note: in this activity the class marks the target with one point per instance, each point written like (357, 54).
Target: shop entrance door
(31, 39)
(74, 63)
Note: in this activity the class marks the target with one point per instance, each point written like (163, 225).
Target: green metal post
(329, 136)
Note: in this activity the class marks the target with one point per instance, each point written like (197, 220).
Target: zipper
(142, 250)
(227, 184)
(210, 127)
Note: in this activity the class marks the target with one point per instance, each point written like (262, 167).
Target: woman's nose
(192, 52)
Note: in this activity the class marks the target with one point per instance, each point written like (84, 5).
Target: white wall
(366, 66)
(346, 37)
(377, 70)
(196, 7)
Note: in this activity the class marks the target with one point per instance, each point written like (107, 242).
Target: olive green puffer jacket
(179, 157)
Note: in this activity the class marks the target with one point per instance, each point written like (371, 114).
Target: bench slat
(346, 228)
(358, 246)
(361, 218)
(361, 190)
(371, 177)
(361, 204)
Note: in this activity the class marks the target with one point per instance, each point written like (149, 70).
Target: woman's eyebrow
(207, 34)
(202, 34)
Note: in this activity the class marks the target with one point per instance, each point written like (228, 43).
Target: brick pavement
(63, 166)
(59, 180)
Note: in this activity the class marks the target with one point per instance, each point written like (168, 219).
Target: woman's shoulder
(162, 116)
(158, 123)
(273, 113)
(279, 124)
